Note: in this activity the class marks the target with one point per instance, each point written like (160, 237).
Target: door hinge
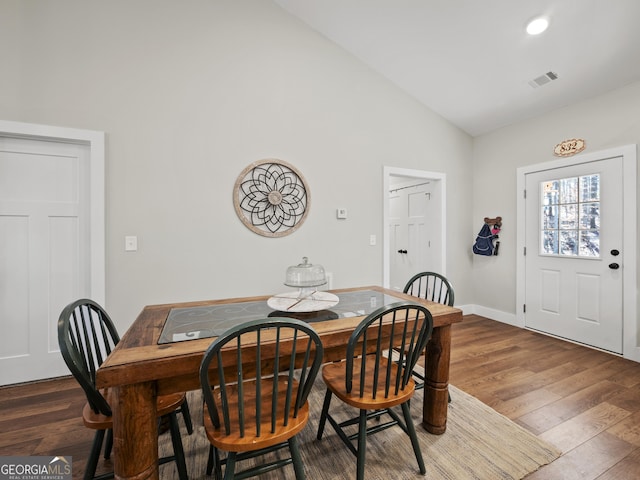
(524, 308)
(524, 193)
(525, 251)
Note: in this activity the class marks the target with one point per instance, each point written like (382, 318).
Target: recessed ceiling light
(537, 26)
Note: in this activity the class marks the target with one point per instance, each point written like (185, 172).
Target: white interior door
(574, 257)
(44, 251)
(413, 238)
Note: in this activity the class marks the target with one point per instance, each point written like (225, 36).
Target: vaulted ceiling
(472, 62)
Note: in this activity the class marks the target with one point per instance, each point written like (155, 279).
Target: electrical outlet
(372, 239)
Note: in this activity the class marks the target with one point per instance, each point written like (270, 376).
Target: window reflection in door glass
(550, 192)
(568, 242)
(550, 217)
(569, 190)
(590, 188)
(570, 216)
(590, 216)
(589, 243)
(550, 242)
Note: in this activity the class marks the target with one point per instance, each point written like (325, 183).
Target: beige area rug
(479, 444)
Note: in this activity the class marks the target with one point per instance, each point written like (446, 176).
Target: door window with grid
(570, 214)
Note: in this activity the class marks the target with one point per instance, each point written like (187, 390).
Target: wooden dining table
(162, 350)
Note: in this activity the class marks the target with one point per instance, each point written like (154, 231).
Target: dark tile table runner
(211, 321)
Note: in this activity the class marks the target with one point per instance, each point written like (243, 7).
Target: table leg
(135, 432)
(436, 385)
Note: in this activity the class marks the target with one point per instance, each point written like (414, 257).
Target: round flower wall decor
(271, 198)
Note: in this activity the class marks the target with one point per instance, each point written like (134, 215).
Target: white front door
(574, 257)
(44, 251)
(413, 232)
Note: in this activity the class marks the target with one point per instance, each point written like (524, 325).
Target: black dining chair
(257, 405)
(436, 288)
(374, 383)
(86, 336)
(431, 286)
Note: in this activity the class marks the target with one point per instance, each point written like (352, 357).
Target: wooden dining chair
(256, 406)
(86, 336)
(436, 288)
(372, 382)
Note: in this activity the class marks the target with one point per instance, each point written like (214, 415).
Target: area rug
(479, 444)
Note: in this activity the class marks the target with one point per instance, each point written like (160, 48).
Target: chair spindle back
(86, 336)
(298, 356)
(409, 328)
(431, 286)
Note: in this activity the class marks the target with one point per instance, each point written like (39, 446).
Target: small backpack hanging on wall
(484, 241)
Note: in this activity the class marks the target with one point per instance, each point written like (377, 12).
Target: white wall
(607, 121)
(190, 93)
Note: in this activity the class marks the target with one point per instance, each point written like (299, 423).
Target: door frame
(630, 328)
(386, 185)
(95, 141)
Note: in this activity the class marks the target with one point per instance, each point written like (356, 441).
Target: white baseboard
(493, 314)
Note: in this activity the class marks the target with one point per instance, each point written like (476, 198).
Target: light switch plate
(341, 213)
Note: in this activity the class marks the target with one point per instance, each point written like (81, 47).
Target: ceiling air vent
(543, 79)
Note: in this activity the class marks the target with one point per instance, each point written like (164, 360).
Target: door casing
(631, 347)
(94, 141)
(418, 174)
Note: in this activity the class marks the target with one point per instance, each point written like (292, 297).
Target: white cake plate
(314, 302)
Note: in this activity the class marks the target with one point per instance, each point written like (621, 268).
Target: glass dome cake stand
(306, 277)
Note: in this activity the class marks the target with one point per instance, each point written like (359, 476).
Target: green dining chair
(263, 372)
(436, 288)
(86, 336)
(375, 384)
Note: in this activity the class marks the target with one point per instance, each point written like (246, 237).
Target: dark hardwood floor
(585, 402)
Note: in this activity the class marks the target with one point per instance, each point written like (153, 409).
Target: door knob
(402, 251)
(614, 266)
(615, 252)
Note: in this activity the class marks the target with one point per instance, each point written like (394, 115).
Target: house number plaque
(569, 147)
